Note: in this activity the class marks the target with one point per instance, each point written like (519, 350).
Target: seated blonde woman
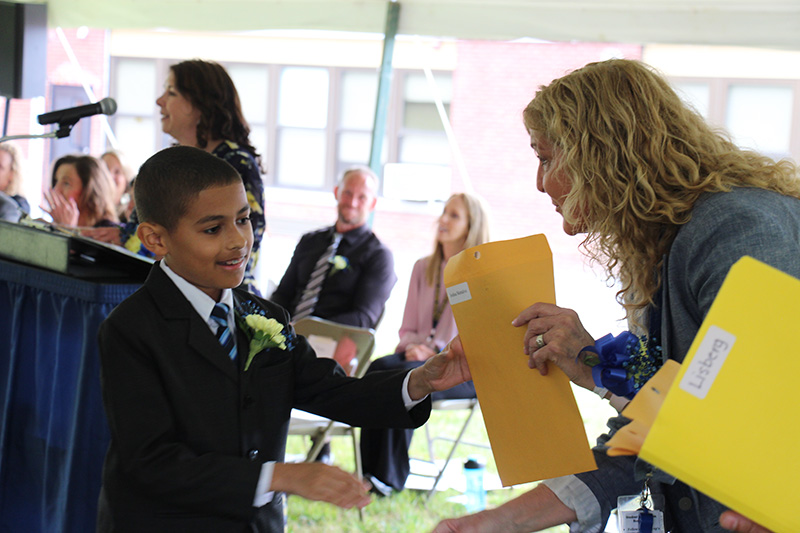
(122, 178)
(428, 325)
(11, 176)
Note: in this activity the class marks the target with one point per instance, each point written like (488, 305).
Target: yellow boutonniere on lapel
(263, 333)
(338, 263)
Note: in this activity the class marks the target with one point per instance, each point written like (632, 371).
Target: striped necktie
(224, 334)
(310, 295)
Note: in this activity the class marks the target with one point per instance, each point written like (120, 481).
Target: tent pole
(384, 85)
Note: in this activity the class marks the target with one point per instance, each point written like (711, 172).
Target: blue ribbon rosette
(623, 363)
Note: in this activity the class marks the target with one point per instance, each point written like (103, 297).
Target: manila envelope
(534, 426)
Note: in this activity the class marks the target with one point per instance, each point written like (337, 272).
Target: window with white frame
(421, 138)
(358, 97)
(309, 123)
(303, 95)
(761, 115)
(134, 85)
(252, 84)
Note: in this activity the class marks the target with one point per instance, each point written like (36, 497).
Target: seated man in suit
(341, 273)
(199, 377)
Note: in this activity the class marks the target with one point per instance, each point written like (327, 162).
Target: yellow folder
(642, 411)
(534, 426)
(729, 423)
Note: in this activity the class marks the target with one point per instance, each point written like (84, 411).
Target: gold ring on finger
(540, 341)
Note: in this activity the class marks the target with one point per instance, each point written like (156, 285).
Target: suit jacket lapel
(242, 348)
(174, 306)
(242, 341)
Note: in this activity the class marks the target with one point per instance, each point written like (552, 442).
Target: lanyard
(438, 306)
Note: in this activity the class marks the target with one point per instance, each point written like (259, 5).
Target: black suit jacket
(356, 295)
(190, 429)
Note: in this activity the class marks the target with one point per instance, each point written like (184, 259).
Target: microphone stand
(64, 129)
(50, 135)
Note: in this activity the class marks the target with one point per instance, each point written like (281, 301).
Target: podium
(53, 431)
(49, 247)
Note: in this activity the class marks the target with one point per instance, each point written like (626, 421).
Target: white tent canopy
(756, 23)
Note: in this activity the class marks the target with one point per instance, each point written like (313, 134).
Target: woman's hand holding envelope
(556, 334)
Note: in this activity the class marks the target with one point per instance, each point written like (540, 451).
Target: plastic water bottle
(475, 493)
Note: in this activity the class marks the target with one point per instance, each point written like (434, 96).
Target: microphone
(106, 106)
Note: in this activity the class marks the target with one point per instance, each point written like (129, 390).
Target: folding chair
(317, 427)
(470, 405)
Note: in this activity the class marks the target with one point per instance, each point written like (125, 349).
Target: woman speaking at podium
(200, 107)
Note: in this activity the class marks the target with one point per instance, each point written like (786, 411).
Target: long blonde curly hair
(638, 159)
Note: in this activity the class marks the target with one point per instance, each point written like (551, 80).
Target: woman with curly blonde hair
(667, 205)
(639, 164)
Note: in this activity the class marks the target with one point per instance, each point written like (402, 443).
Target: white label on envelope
(458, 293)
(706, 363)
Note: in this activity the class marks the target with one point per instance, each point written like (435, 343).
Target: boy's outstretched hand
(444, 370)
(321, 482)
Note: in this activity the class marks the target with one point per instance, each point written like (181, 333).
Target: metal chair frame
(317, 427)
(470, 405)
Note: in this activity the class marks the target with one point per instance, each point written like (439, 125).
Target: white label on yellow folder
(707, 362)
(533, 422)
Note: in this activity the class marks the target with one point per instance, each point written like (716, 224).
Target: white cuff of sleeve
(619, 402)
(576, 495)
(263, 494)
(407, 401)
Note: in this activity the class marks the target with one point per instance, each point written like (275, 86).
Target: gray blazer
(723, 228)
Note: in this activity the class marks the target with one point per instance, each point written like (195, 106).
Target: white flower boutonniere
(338, 263)
(264, 333)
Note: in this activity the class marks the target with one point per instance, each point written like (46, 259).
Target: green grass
(407, 511)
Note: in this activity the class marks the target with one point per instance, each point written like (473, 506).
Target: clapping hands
(61, 209)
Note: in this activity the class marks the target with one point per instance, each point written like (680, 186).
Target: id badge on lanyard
(641, 513)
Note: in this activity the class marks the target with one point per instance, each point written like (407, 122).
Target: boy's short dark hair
(172, 178)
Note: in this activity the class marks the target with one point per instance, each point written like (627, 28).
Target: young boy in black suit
(198, 409)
